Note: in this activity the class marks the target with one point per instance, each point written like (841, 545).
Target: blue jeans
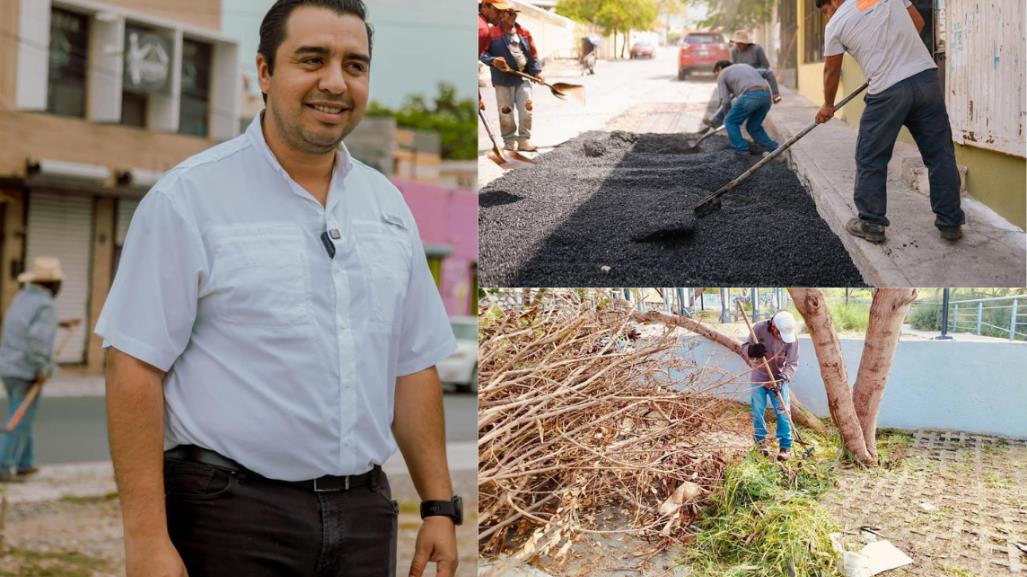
(917, 103)
(16, 451)
(750, 108)
(759, 407)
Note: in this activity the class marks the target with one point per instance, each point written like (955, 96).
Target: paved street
(648, 88)
(645, 96)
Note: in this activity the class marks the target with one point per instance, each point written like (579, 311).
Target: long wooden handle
(752, 334)
(495, 145)
(24, 406)
(38, 386)
(777, 390)
(763, 161)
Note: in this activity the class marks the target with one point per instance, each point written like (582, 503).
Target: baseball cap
(784, 322)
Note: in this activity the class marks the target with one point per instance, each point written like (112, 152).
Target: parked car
(461, 368)
(643, 49)
(699, 51)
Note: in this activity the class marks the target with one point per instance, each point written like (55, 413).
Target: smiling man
(273, 332)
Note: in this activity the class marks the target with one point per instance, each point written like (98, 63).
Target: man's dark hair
(272, 29)
(720, 65)
(822, 3)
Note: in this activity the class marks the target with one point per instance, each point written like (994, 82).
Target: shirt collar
(343, 161)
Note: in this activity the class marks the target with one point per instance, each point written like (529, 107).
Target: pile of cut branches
(587, 426)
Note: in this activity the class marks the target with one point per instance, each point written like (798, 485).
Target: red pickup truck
(700, 51)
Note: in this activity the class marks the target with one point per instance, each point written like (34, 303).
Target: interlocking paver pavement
(957, 505)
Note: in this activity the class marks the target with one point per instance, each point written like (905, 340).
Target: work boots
(867, 231)
(784, 454)
(764, 447)
(951, 233)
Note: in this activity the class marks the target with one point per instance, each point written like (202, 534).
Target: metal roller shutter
(61, 226)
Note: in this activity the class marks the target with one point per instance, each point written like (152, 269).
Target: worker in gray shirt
(776, 341)
(745, 51)
(883, 36)
(751, 94)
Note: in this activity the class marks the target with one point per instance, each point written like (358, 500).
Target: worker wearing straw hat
(744, 50)
(26, 356)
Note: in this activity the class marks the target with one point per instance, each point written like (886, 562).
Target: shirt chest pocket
(386, 255)
(262, 279)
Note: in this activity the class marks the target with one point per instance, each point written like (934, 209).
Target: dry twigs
(585, 426)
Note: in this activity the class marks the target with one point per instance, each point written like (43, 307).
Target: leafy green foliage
(731, 15)
(455, 120)
(611, 15)
(849, 317)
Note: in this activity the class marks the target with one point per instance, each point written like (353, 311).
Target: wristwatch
(453, 509)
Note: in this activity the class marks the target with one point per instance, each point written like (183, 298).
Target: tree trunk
(810, 304)
(886, 316)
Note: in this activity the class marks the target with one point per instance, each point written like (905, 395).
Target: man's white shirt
(277, 355)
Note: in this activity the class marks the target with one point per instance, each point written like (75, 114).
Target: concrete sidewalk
(80, 481)
(993, 252)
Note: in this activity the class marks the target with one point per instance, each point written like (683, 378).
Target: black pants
(237, 523)
(918, 103)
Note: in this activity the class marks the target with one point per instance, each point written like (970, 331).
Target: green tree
(739, 14)
(454, 120)
(612, 16)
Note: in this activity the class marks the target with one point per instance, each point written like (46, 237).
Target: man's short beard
(296, 138)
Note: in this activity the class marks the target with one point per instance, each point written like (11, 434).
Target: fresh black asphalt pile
(615, 209)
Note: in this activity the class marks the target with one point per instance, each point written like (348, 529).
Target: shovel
(560, 90)
(496, 154)
(711, 203)
(776, 388)
(38, 385)
(709, 132)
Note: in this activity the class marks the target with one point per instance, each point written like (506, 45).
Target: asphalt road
(72, 430)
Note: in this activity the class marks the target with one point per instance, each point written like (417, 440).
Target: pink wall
(449, 217)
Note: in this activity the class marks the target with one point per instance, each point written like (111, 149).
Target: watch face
(458, 510)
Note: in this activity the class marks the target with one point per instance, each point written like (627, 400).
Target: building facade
(979, 48)
(97, 99)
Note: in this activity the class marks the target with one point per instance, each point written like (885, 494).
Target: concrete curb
(993, 251)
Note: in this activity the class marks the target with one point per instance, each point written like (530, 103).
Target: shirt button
(343, 324)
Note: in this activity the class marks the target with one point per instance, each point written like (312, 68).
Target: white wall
(978, 387)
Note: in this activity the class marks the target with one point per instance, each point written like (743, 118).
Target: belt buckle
(332, 489)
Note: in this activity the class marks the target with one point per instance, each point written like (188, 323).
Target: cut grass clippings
(765, 521)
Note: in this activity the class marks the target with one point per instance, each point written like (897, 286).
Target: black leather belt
(327, 483)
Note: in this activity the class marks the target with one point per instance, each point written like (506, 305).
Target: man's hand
(825, 113)
(500, 63)
(436, 543)
(481, 104)
(152, 557)
(757, 350)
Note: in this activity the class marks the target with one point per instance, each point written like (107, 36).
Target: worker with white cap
(776, 340)
(26, 357)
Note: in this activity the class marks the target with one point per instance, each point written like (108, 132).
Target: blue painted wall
(978, 387)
